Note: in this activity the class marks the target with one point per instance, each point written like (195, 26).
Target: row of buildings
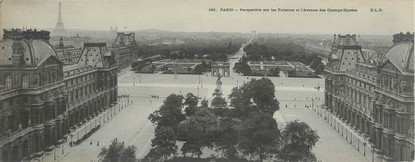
(42, 99)
(124, 48)
(375, 93)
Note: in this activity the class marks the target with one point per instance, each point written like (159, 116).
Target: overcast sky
(193, 15)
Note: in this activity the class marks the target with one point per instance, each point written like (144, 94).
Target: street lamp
(197, 92)
(54, 154)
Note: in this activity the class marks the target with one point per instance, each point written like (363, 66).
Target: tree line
(241, 131)
(282, 49)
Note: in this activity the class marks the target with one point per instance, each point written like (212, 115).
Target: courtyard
(132, 126)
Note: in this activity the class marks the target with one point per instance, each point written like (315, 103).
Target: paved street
(331, 146)
(132, 126)
(129, 125)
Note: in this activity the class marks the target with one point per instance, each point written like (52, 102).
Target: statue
(404, 87)
(402, 108)
(218, 83)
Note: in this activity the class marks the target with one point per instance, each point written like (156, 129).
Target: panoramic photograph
(206, 81)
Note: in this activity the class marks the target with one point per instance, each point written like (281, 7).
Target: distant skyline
(194, 16)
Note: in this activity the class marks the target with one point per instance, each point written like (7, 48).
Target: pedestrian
(97, 143)
(150, 101)
(91, 142)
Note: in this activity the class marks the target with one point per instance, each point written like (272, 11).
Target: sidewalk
(360, 143)
(98, 121)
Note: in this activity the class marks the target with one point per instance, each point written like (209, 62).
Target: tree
(117, 152)
(166, 53)
(298, 140)
(256, 95)
(220, 57)
(170, 113)
(292, 72)
(320, 68)
(199, 69)
(204, 103)
(197, 131)
(242, 67)
(218, 102)
(153, 68)
(191, 104)
(227, 139)
(275, 71)
(316, 61)
(263, 95)
(217, 93)
(259, 136)
(163, 145)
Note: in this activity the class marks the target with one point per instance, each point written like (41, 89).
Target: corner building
(124, 49)
(41, 100)
(374, 94)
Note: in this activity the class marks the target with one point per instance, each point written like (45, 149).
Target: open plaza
(132, 126)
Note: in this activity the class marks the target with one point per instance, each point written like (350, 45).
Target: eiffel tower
(59, 29)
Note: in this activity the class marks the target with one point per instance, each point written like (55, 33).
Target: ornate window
(8, 81)
(25, 81)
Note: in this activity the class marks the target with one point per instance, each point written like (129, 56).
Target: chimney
(61, 45)
(401, 37)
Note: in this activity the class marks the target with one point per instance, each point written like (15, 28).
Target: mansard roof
(401, 54)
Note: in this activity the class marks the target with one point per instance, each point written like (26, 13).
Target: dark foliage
(298, 140)
(118, 152)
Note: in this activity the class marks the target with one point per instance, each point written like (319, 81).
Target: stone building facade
(124, 49)
(375, 95)
(41, 99)
(122, 55)
(220, 69)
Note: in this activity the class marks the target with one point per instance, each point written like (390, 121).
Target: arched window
(8, 81)
(25, 81)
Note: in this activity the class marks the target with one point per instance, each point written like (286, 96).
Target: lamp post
(312, 102)
(197, 92)
(54, 154)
